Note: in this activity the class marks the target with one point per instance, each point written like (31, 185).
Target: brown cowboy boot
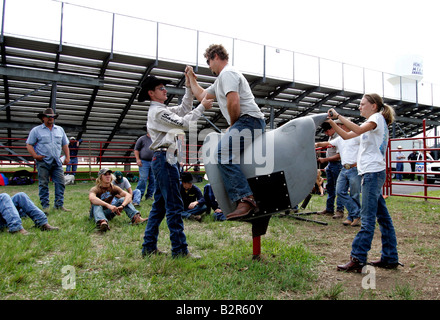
(48, 227)
(352, 266)
(137, 219)
(103, 226)
(245, 207)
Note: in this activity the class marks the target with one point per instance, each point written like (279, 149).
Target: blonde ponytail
(388, 113)
(386, 110)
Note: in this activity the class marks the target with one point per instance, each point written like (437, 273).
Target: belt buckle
(347, 166)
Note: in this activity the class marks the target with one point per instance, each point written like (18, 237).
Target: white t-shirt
(333, 150)
(373, 146)
(164, 122)
(230, 80)
(124, 185)
(348, 149)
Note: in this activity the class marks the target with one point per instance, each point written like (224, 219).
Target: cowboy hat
(187, 176)
(47, 113)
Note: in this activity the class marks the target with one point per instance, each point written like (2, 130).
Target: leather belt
(349, 166)
(165, 149)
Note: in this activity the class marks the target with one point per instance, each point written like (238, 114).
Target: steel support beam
(49, 76)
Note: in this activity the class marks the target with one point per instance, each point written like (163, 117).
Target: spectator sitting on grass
(17, 206)
(124, 184)
(193, 200)
(101, 197)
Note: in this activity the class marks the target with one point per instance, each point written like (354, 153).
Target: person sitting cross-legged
(193, 200)
(123, 183)
(101, 197)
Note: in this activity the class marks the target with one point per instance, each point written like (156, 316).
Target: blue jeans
(137, 196)
(72, 165)
(399, 167)
(101, 213)
(218, 216)
(349, 179)
(197, 210)
(145, 176)
(374, 207)
(19, 205)
(229, 155)
(45, 172)
(332, 172)
(167, 202)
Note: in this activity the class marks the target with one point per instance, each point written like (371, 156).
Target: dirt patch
(418, 247)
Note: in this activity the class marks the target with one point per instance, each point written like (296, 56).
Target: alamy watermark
(369, 280)
(68, 281)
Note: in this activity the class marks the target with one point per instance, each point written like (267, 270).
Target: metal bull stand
(297, 215)
(256, 240)
(271, 190)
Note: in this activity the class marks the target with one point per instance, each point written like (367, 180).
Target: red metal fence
(92, 156)
(391, 185)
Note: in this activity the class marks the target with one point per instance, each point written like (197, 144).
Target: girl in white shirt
(371, 166)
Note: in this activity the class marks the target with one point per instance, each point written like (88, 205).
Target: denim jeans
(137, 196)
(197, 210)
(350, 179)
(399, 167)
(374, 207)
(145, 176)
(45, 172)
(332, 172)
(229, 153)
(167, 203)
(72, 166)
(101, 213)
(19, 205)
(218, 216)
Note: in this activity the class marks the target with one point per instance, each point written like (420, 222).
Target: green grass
(110, 266)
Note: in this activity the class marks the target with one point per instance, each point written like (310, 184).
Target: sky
(371, 34)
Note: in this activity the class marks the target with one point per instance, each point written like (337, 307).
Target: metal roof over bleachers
(95, 91)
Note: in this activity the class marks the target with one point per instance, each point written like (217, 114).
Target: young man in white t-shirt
(123, 183)
(237, 105)
(348, 184)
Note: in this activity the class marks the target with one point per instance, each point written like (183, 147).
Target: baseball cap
(326, 126)
(104, 171)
